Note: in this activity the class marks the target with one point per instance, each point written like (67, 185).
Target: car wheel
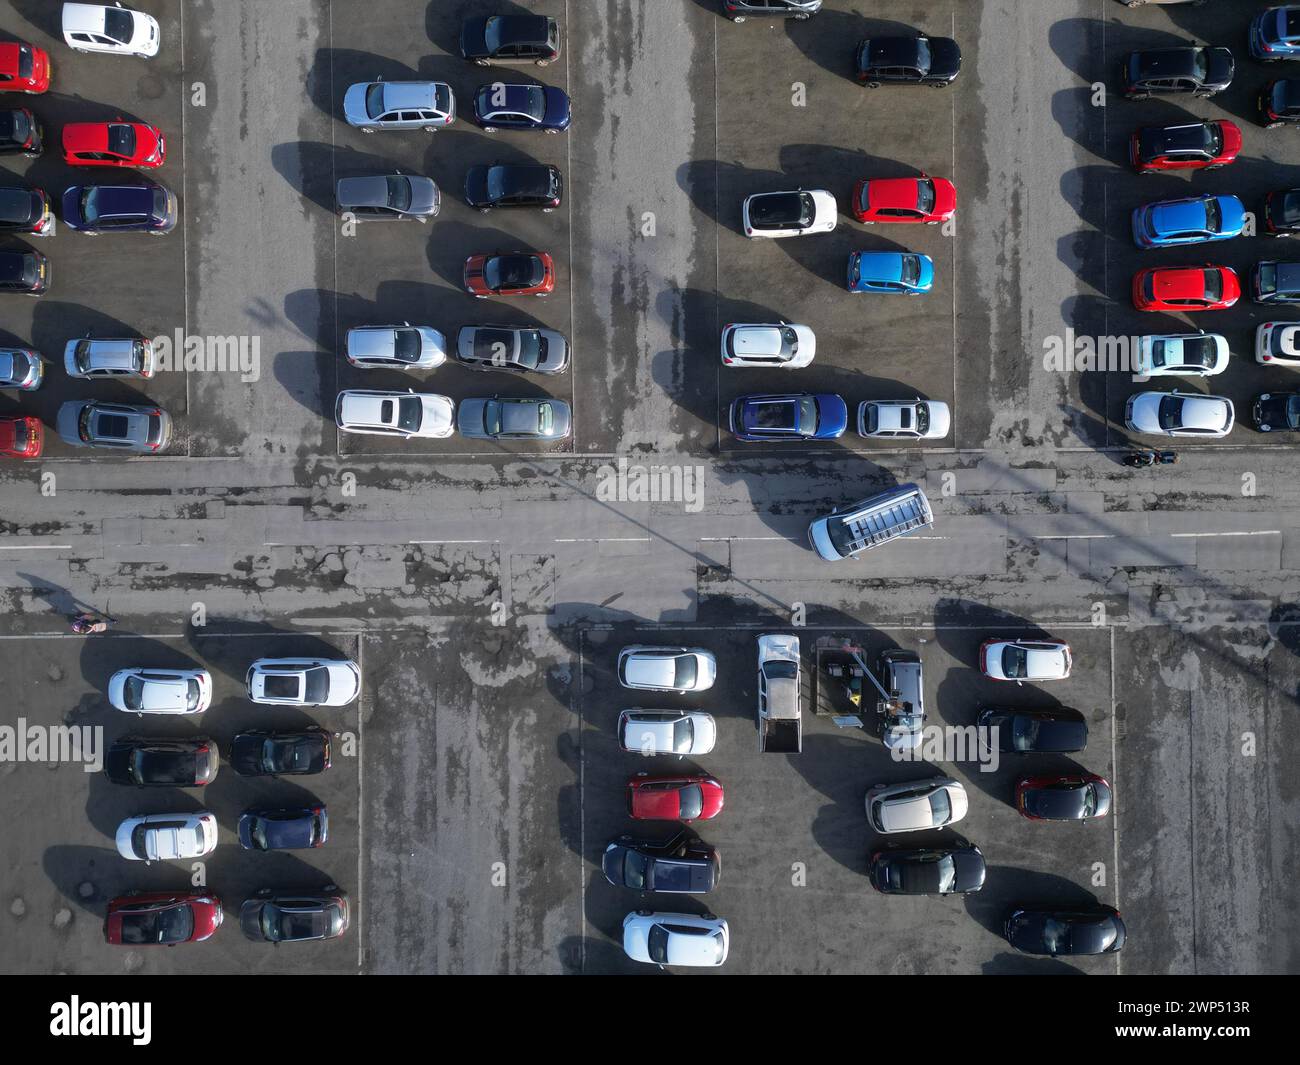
(330, 887)
(547, 210)
(366, 129)
(644, 913)
(430, 129)
(489, 129)
(1272, 125)
(873, 85)
(737, 19)
(552, 131)
(1265, 428)
(545, 62)
(709, 916)
(481, 62)
(484, 210)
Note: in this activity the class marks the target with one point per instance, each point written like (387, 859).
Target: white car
(1278, 343)
(110, 28)
(395, 347)
(916, 805)
(304, 681)
(160, 837)
(789, 214)
(779, 346)
(1021, 660)
(404, 414)
(1179, 414)
(678, 732)
(160, 691)
(676, 938)
(1181, 355)
(908, 419)
(666, 669)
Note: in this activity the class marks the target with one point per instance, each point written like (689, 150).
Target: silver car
(21, 368)
(160, 691)
(109, 358)
(129, 427)
(679, 732)
(405, 414)
(372, 105)
(511, 418)
(388, 198)
(667, 669)
(505, 347)
(400, 347)
(916, 805)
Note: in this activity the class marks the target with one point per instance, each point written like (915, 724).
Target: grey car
(127, 427)
(395, 347)
(373, 105)
(389, 198)
(739, 10)
(510, 418)
(900, 672)
(21, 368)
(109, 358)
(505, 347)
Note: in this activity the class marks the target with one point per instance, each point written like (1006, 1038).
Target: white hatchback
(916, 805)
(160, 691)
(909, 419)
(404, 414)
(679, 732)
(779, 346)
(1181, 355)
(160, 837)
(666, 669)
(1278, 343)
(789, 214)
(303, 681)
(676, 938)
(1179, 414)
(112, 29)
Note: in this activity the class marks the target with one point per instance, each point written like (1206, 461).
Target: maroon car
(162, 918)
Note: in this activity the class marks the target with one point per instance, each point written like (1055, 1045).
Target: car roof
(163, 693)
(1202, 412)
(85, 18)
(407, 95)
(1166, 62)
(370, 190)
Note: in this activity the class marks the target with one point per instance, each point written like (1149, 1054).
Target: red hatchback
(114, 144)
(162, 918)
(519, 273)
(1185, 288)
(688, 798)
(1193, 146)
(919, 199)
(23, 68)
(21, 437)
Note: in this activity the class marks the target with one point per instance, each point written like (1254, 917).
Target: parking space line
(1114, 776)
(582, 809)
(334, 181)
(361, 810)
(185, 231)
(1252, 532)
(568, 169)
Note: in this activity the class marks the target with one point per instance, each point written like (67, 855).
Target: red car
(114, 144)
(1076, 797)
(688, 798)
(23, 68)
(162, 917)
(1192, 146)
(1185, 288)
(519, 273)
(21, 437)
(919, 199)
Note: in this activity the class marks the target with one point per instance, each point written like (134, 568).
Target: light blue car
(890, 271)
(1194, 220)
(1275, 34)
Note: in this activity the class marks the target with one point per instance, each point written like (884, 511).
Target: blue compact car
(120, 208)
(890, 271)
(525, 107)
(794, 416)
(1194, 220)
(1275, 34)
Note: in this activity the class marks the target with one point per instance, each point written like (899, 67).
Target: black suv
(1059, 730)
(514, 185)
(1279, 103)
(27, 272)
(920, 60)
(20, 132)
(511, 39)
(683, 865)
(1275, 282)
(1190, 69)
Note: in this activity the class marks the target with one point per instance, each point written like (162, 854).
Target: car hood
(557, 352)
(469, 417)
(354, 103)
(945, 57)
(473, 38)
(66, 422)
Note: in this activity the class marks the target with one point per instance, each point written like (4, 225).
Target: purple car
(144, 207)
(525, 107)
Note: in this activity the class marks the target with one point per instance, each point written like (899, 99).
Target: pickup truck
(780, 720)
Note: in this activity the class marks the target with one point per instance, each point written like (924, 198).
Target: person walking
(87, 623)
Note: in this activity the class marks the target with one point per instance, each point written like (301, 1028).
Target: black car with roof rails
(683, 865)
(917, 60)
(510, 39)
(1190, 69)
(1056, 730)
(24, 271)
(265, 753)
(514, 185)
(956, 868)
(1282, 213)
(299, 828)
(1279, 103)
(1095, 930)
(25, 210)
(20, 132)
(1275, 282)
(739, 10)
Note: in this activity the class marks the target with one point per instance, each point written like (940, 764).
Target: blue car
(117, 208)
(792, 416)
(890, 271)
(1194, 220)
(296, 828)
(1275, 34)
(525, 107)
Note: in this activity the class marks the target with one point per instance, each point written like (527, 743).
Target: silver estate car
(427, 105)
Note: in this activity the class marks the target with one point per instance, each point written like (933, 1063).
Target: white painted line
(607, 540)
(1254, 532)
(1076, 536)
(582, 814)
(36, 547)
(1114, 776)
(453, 541)
(361, 809)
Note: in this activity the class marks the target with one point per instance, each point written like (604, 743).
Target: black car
(293, 917)
(1282, 213)
(1275, 282)
(146, 207)
(514, 185)
(1279, 103)
(739, 10)
(263, 753)
(1058, 730)
(1190, 69)
(20, 132)
(1075, 797)
(917, 60)
(511, 39)
(284, 830)
(683, 865)
(24, 271)
(957, 868)
(150, 762)
(25, 210)
(1099, 930)
(1276, 412)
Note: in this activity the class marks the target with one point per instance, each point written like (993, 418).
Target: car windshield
(1014, 661)
(922, 53)
(533, 103)
(530, 348)
(375, 99)
(192, 693)
(1056, 935)
(1090, 800)
(783, 209)
(121, 139)
(172, 925)
(685, 670)
(26, 62)
(1293, 411)
(492, 33)
(399, 193)
(1170, 414)
(258, 834)
(496, 182)
(160, 203)
(1213, 216)
(925, 196)
(119, 24)
(14, 126)
(922, 418)
(1213, 285)
(635, 865)
(807, 423)
(683, 735)
(1200, 65)
(911, 269)
(657, 944)
(1267, 277)
(940, 807)
(442, 98)
(409, 411)
(317, 687)
(690, 802)
(90, 203)
(133, 692)
(1024, 731)
(406, 345)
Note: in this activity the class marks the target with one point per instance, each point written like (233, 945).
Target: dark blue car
(1275, 34)
(284, 830)
(113, 208)
(526, 107)
(793, 416)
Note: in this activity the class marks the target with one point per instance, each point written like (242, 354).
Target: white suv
(395, 413)
(113, 29)
(160, 691)
(304, 681)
